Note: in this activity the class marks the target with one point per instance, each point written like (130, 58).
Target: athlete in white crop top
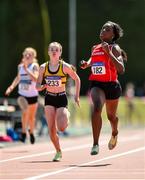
(28, 71)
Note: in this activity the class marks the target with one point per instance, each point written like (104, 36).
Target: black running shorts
(56, 99)
(112, 90)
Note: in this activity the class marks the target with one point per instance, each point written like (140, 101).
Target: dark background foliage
(21, 25)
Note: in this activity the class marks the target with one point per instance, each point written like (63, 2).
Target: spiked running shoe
(57, 156)
(95, 150)
(112, 143)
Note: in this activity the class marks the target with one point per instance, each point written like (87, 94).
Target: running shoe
(23, 137)
(32, 138)
(112, 143)
(57, 156)
(95, 150)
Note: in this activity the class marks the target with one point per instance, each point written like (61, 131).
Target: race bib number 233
(53, 81)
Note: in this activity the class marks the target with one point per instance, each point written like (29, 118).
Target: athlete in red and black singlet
(106, 62)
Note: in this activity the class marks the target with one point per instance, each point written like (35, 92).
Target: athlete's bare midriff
(56, 89)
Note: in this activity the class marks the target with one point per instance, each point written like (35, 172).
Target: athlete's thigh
(50, 113)
(98, 97)
(62, 116)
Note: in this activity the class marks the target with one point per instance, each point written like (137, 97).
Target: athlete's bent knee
(111, 117)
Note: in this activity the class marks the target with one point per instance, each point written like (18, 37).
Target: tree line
(38, 22)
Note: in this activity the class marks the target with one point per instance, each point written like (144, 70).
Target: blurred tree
(22, 26)
(91, 15)
(46, 26)
(28, 23)
(4, 24)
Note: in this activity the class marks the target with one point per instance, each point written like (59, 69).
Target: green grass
(81, 116)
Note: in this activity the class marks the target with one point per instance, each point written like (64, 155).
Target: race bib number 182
(98, 68)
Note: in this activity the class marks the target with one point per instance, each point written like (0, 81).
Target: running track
(31, 162)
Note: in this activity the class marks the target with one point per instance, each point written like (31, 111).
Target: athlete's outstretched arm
(72, 73)
(14, 83)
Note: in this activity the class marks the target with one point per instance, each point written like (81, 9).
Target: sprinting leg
(62, 118)
(98, 99)
(111, 108)
(51, 118)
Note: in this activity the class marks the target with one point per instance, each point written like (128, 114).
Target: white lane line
(135, 137)
(88, 163)
(46, 153)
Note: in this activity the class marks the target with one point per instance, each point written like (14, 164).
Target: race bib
(25, 84)
(98, 68)
(24, 87)
(53, 81)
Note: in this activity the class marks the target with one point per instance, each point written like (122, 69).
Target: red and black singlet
(102, 68)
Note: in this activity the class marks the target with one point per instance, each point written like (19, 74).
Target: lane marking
(46, 153)
(83, 164)
(73, 148)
